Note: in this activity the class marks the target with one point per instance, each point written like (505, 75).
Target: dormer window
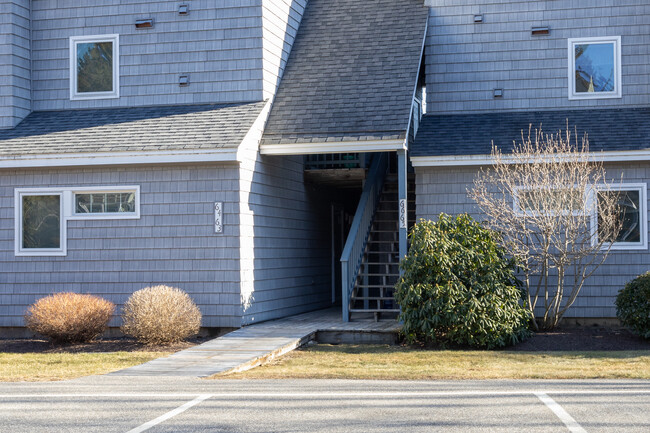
(94, 67)
(595, 68)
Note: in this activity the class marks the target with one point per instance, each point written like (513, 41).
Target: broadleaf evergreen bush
(459, 287)
(633, 305)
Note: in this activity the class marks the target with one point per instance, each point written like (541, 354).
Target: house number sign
(403, 217)
(218, 217)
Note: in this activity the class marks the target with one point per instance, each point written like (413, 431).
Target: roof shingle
(130, 129)
(351, 72)
(473, 134)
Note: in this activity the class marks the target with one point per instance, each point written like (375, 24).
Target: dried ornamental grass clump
(69, 317)
(160, 315)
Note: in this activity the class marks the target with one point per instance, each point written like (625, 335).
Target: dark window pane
(95, 67)
(41, 221)
(594, 67)
(629, 215)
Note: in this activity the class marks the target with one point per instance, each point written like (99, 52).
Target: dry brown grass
(33, 367)
(160, 315)
(402, 363)
(69, 317)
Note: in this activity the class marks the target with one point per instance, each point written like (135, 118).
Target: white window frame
(19, 193)
(642, 188)
(106, 215)
(115, 93)
(616, 93)
(67, 203)
(521, 212)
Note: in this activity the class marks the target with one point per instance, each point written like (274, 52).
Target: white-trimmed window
(39, 223)
(595, 67)
(41, 214)
(105, 203)
(94, 67)
(632, 204)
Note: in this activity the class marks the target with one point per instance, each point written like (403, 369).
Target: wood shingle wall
(465, 61)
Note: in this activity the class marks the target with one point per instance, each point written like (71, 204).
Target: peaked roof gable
(351, 74)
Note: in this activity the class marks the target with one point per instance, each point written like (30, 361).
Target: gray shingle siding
(281, 19)
(219, 44)
(15, 76)
(172, 243)
(285, 240)
(466, 61)
(444, 189)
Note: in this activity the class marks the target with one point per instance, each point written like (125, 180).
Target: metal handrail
(355, 244)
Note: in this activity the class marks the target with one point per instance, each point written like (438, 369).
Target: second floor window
(595, 68)
(94, 66)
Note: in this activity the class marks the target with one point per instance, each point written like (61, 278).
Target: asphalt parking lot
(127, 404)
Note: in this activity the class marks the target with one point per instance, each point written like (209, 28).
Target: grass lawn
(59, 366)
(404, 363)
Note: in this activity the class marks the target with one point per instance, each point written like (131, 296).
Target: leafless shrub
(160, 315)
(69, 317)
(557, 212)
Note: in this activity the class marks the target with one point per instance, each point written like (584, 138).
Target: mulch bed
(583, 338)
(35, 345)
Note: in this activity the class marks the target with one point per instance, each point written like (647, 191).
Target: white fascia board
(119, 158)
(333, 147)
(461, 160)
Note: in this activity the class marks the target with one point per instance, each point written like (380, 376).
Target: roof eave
(307, 148)
(475, 160)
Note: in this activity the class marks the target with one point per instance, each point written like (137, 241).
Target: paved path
(109, 404)
(252, 345)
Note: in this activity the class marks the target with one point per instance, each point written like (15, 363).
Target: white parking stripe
(170, 414)
(564, 416)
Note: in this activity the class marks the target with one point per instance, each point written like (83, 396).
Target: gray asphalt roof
(351, 72)
(472, 134)
(131, 129)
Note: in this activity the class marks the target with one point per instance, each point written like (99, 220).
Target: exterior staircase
(379, 271)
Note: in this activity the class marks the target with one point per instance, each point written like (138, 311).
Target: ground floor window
(40, 221)
(41, 214)
(632, 205)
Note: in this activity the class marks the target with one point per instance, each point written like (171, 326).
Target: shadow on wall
(286, 252)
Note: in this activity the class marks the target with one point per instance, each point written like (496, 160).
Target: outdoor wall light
(144, 24)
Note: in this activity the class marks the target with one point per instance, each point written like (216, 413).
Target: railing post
(345, 295)
(402, 203)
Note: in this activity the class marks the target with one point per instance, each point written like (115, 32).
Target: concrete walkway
(253, 345)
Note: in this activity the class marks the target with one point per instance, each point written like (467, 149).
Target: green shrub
(160, 315)
(633, 305)
(459, 287)
(69, 317)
